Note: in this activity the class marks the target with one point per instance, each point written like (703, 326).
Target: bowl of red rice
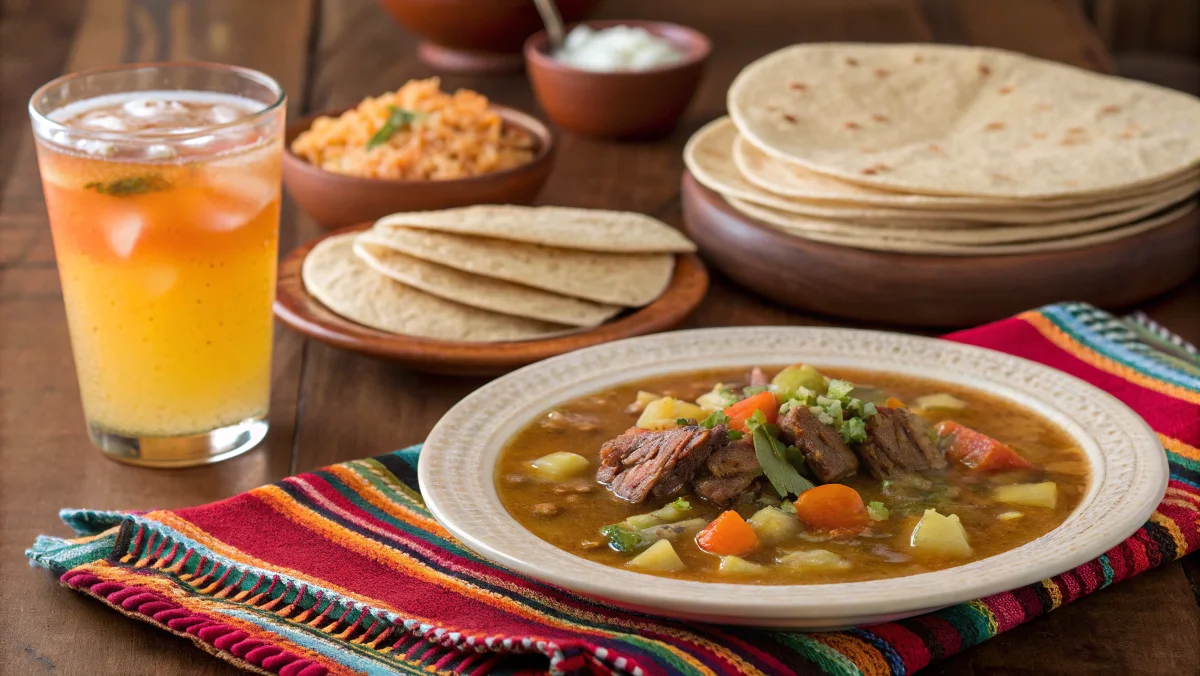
(414, 149)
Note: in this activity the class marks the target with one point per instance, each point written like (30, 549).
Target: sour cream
(616, 48)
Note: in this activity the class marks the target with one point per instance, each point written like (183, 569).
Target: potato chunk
(1044, 494)
(940, 536)
(734, 565)
(559, 466)
(659, 558)
(813, 559)
(773, 526)
(661, 414)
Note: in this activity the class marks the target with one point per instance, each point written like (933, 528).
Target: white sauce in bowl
(616, 48)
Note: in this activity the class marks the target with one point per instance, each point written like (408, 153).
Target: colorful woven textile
(342, 570)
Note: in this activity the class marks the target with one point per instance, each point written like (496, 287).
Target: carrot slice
(893, 402)
(727, 535)
(832, 507)
(979, 451)
(740, 412)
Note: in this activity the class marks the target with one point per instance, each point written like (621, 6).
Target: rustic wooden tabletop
(330, 405)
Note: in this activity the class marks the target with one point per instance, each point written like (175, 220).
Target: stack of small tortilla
(494, 273)
(948, 150)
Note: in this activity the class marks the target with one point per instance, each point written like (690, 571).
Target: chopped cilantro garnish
(681, 504)
(682, 421)
(734, 435)
(621, 537)
(398, 118)
(715, 418)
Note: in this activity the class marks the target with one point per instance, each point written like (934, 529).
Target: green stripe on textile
(829, 660)
(1188, 463)
(972, 623)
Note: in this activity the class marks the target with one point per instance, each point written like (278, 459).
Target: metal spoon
(553, 21)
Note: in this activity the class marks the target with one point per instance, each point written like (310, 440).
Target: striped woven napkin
(357, 578)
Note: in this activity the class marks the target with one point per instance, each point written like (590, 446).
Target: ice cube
(95, 147)
(105, 121)
(123, 231)
(145, 108)
(159, 151)
(220, 114)
(240, 197)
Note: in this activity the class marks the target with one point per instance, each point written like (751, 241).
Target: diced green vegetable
(788, 382)
(839, 389)
(773, 526)
(788, 507)
(1043, 494)
(559, 466)
(673, 512)
(719, 398)
(853, 430)
(640, 521)
(748, 392)
(941, 400)
(813, 559)
(782, 475)
(877, 511)
(660, 558)
(733, 565)
(940, 536)
(622, 538)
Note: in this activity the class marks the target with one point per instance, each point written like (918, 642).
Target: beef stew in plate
(798, 477)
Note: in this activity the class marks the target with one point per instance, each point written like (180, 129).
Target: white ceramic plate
(1128, 479)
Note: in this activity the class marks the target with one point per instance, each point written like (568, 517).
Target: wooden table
(329, 405)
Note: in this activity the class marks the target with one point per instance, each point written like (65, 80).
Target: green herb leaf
(130, 185)
(782, 475)
(877, 511)
(621, 537)
(398, 118)
(734, 435)
(682, 421)
(715, 418)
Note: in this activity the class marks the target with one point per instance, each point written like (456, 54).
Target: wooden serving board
(929, 290)
(295, 307)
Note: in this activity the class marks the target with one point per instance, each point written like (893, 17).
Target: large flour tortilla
(343, 283)
(563, 227)
(952, 120)
(721, 160)
(484, 293)
(630, 280)
(802, 225)
(907, 246)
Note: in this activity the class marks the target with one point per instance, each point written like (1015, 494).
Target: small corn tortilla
(563, 227)
(629, 280)
(348, 287)
(484, 293)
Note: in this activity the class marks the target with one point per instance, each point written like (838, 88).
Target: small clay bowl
(619, 104)
(337, 200)
(470, 36)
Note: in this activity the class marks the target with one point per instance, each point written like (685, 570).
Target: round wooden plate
(306, 315)
(926, 290)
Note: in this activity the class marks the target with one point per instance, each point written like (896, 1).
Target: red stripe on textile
(912, 650)
(1167, 415)
(947, 636)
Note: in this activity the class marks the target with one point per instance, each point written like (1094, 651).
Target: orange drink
(164, 207)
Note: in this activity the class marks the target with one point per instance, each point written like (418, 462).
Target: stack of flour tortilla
(948, 150)
(494, 273)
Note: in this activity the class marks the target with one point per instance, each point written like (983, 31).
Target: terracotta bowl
(474, 36)
(621, 104)
(337, 200)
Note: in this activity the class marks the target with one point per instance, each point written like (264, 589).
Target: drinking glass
(162, 184)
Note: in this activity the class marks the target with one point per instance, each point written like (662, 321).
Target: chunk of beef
(641, 463)
(899, 442)
(829, 458)
(730, 475)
